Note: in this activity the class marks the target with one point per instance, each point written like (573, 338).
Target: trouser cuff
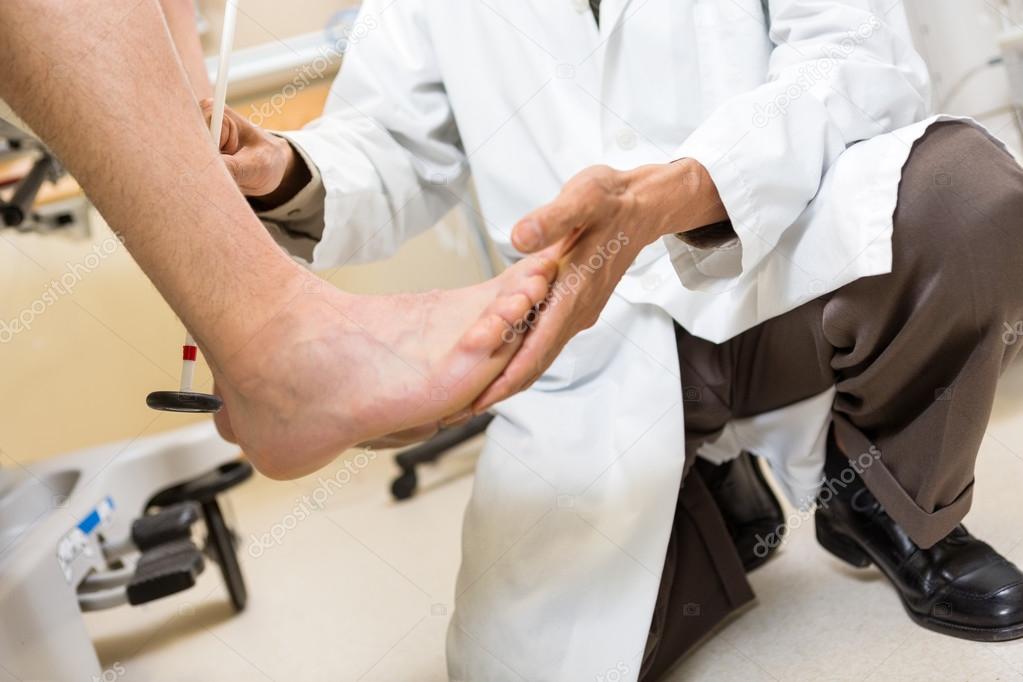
(924, 527)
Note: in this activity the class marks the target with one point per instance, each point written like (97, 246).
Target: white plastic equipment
(60, 521)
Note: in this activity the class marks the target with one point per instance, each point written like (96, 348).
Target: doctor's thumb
(230, 135)
(529, 235)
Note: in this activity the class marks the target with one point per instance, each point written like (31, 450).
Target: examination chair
(120, 524)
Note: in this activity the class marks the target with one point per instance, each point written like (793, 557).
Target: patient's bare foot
(332, 369)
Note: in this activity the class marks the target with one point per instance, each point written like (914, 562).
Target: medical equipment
(103, 527)
(26, 165)
(1010, 41)
(405, 484)
(185, 399)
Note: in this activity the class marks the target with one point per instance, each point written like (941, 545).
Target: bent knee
(958, 224)
(961, 195)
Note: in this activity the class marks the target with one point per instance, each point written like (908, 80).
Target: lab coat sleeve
(839, 72)
(386, 157)
(297, 224)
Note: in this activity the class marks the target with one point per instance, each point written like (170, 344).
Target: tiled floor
(362, 590)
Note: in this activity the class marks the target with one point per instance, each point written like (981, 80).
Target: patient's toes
(528, 269)
(543, 266)
(487, 334)
(512, 309)
(536, 288)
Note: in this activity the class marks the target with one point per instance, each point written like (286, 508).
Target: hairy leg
(99, 81)
(180, 16)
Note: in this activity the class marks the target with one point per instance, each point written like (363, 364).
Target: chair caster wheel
(404, 486)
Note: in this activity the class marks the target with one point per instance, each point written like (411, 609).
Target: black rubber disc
(180, 401)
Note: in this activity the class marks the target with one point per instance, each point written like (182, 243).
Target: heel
(840, 545)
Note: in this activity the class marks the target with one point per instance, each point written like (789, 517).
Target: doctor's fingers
(231, 132)
(255, 170)
(580, 205)
(526, 367)
(542, 344)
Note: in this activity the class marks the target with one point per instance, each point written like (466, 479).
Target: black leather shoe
(959, 587)
(750, 510)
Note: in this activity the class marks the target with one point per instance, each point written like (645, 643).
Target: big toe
(492, 330)
(526, 272)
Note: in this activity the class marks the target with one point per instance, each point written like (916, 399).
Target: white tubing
(188, 363)
(223, 66)
(216, 126)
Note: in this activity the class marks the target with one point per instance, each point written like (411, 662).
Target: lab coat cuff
(297, 225)
(307, 201)
(714, 269)
(710, 236)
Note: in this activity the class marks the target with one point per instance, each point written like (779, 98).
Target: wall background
(260, 21)
(954, 36)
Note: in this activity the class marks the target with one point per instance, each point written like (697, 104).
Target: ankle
(263, 325)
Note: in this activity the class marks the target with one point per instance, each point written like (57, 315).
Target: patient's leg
(180, 16)
(305, 370)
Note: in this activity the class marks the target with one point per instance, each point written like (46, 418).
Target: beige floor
(362, 590)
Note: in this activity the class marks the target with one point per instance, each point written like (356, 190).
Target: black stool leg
(404, 486)
(222, 542)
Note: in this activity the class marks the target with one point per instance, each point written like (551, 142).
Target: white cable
(959, 85)
(223, 67)
(216, 127)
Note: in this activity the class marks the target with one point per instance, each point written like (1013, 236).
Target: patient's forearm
(121, 116)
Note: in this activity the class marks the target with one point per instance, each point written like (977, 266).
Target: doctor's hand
(264, 166)
(594, 229)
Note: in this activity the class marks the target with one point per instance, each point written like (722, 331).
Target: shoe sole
(853, 553)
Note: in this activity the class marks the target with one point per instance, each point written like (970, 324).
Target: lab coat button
(581, 6)
(652, 281)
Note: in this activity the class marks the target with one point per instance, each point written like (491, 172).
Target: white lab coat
(565, 534)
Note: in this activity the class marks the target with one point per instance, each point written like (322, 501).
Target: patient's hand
(595, 229)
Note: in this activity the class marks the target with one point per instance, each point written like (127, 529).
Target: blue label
(96, 516)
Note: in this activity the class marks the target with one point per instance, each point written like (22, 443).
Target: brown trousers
(915, 356)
